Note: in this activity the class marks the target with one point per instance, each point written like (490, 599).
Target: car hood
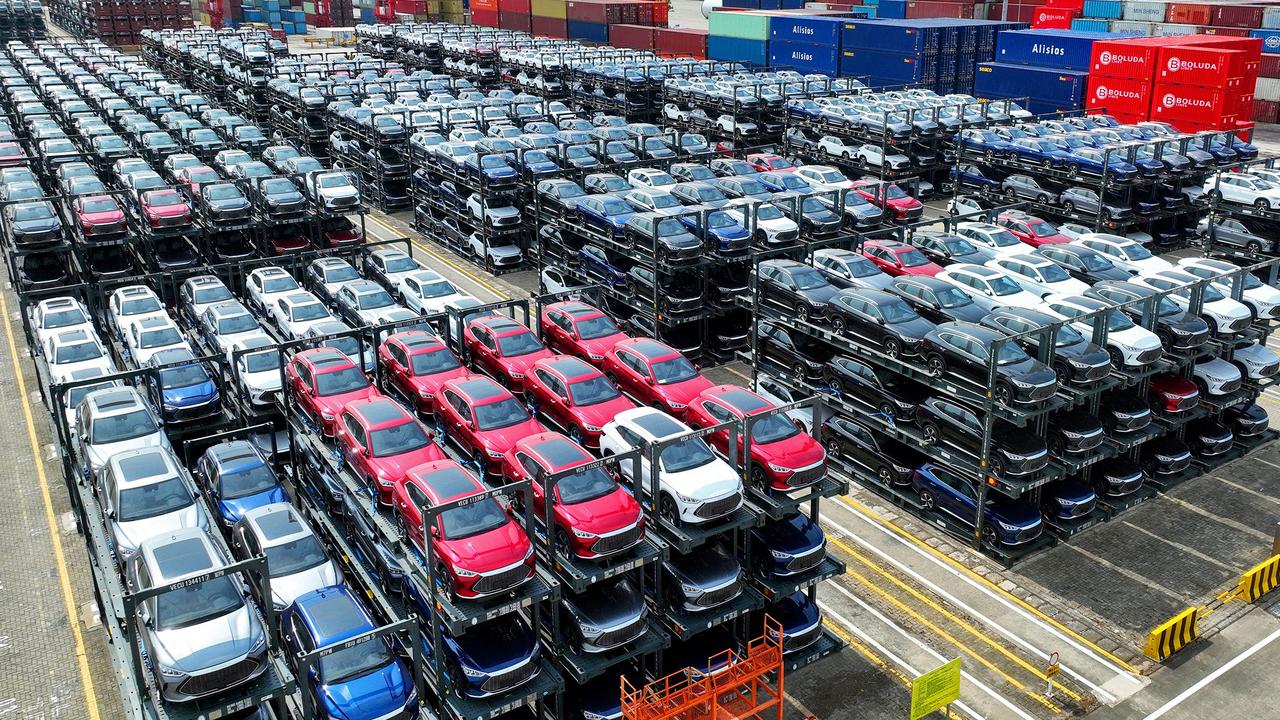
(374, 695)
(821, 295)
(492, 649)
(713, 480)
(798, 451)
(208, 644)
(396, 466)
(191, 394)
(503, 439)
(706, 568)
(684, 392)
(608, 605)
(1018, 443)
(602, 412)
(100, 453)
(233, 510)
(491, 550)
(1012, 512)
(129, 535)
(795, 612)
(605, 514)
(1029, 371)
(792, 537)
(916, 328)
(504, 251)
(287, 588)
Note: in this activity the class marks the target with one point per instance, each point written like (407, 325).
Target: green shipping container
(549, 9)
(308, 7)
(738, 24)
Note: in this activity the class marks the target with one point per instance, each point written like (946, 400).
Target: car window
(354, 429)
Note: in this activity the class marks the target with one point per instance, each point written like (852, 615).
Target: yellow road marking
(465, 271)
(59, 558)
(866, 652)
(969, 571)
(952, 617)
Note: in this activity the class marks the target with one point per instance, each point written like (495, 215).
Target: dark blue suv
(1004, 521)
(238, 479)
(790, 546)
(361, 682)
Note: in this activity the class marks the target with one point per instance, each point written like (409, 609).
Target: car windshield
(497, 415)
(1117, 321)
(152, 499)
(468, 520)
(63, 318)
(341, 381)
(76, 394)
(374, 300)
(247, 481)
(99, 205)
(78, 353)
(354, 662)
(808, 279)
(1002, 285)
(613, 206)
(32, 212)
(210, 294)
(719, 219)
(433, 362)
(1210, 293)
(912, 258)
(295, 556)
(585, 486)
(686, 455)
(183, 376)
(331, 181)
(893, 192)
(401, 263)
(232, 324)
(1010, 353)
(1095, 262)
(279, 283)
(159, 338)
(596, 327)
(675, 370)
(1134, 251)
(1053, 273)
(1040, 228)
(194, 604)
(310, 311)
(398, 439)
(164, 199)
(592, 391)
(118, 428)
(897, 311)
(774, 428)
(521, 343)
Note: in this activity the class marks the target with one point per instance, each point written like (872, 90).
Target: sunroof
(657, 425)
(281, 523)
(450, 482)
(382, 411)
(560, 452)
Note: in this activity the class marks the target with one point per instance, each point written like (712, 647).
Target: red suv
(783, 457)
(165, 209)
(575, 396)
(1031, 229)
(323, 381)
(480, 549)
(593, 515)
(655, 374)
(504, 348)
(99, 215)
(416, 364)
(483, 419)
(576, 328)
(381, 441)
(1172, 393)
(768, 162)
(890, 198)
(896, 258)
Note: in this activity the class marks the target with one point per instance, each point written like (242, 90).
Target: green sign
(935, 689)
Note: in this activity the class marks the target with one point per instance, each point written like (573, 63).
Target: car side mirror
(469, 424)
(435, 531)
(648, 380)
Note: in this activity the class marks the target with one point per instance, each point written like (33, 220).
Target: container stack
(487, 13)
(1049, 67)
(942, 54)
(119, 23)
(739, 36)
(806, 44)
(275, 15)
(682, 42)
(548, 18)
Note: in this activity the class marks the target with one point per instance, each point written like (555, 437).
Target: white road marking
(1160, 712)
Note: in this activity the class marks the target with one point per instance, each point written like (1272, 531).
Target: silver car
(295, 558)
(146, 493)
(202, 638)
(113, 421)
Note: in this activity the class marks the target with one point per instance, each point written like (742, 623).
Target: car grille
(1025, 535)
(171, 221)
(1136, 421)
(1147, 356)
(797, 641)
(620, 540)
(515, 677)
(504, 580)
(716, 508)
(618, 636)
(718, 596)
(287, 208)
(506, 221)
(505, 261)
(218, 680)
(1095, 373)
(1230, 386)
(678, 304)
(1214, 446)
(1191, 341)
(1268, 370)
(1238, 325)
(343, 202)
(788, 236)
(808, 476)
(193, 412)
(1043, 392)
(1087, 443)
(1175, 466)
(1079, 509)
(1125, 486)
(113, 227)
(1186, 402)
(809, 560)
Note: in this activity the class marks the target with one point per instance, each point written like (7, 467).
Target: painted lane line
(1160, 712)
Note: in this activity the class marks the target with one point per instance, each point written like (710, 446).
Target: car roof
(479, 387)
(143, 466)
(379, 411)
(653, 423)
(178, 554)
(276, 523)
(332, 614)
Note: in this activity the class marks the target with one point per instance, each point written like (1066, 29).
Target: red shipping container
(487, 18)
(1242, 16)
(1051, 18)
(1189, 13)
(1186, 103)
(550, 27)
(513, 21)
(1122, 97)
(681, 42)
(1269, 65)
(518, 7)
(1244, 130)
(1203, 66)
(939, 9)
(632, 37)
(1077, 5)
(1242, 104)
(600, 12)
(1225, 31)
(1125, 59)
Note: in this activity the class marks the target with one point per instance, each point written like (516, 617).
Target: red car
(99, 215)
(576, 328)
(481, 548)
(289, 244)
(380, 441)
(768, 162)
(783, 456)
(337, 232)
(12, 155)
(896, 258)
(655, 374)
(197, 175)
(1173, 393)
(890, 198)
(594, 516)
(165, 209)
(504, 348)
(416, 364)
(1031, 229)
(483, 419)
(323, 381)
(575, 396)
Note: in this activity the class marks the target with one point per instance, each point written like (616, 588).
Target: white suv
(1129, 344)
(112, 421)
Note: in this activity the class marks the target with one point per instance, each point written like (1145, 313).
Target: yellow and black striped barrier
(1259, 579)
(1173, 635)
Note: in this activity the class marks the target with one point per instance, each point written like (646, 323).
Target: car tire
(930, 432)
(1056, 446)
(798, 370)
(893, 348)
(886, 408)
(1262, 204)
(668, 511)
(1117, 358)
(1003, 393)
(563, 541)
(927, 502)
(803, 312)
(577, 434)
(1011, 194)
(478, 457)
(1069, 206)
(837, 324)
(444, 582)
(1042, 199)
(885, 475)
(1253, 246)
(935, 365)
(759, 479)
(988, 536)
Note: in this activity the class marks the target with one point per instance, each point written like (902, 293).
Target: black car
(890, 393)
(176, 253)
(936, 300)
(678, 293)
(1246, 419)
(815, 217)
(666, 237)
(892, 462)
(804, 357)
(560, 196)
(1165, 456)
(33, 223)
(1117, 477)
(279, 197)
(1123, 411)
(223, 202)
(40, 271)
(1073, 432)
(947, 248)
(1087, 201)
(607, 616)
(1207, 438)
(796, 286)
(1176, 328)
(691, 172)
(703, 579)
(966, 348)
(1014, 451)
(1076, 360)
(1068, 500)
(881, 318)
(1082, 263)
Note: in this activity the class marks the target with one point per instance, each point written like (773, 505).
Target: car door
(413, 515)
(485, 349)
(627, 466)
(559, 330)
(635, 376)
(717, 415)
(456, 414)
(533, 472)
(553, 397)
(397, 367)
(355, 445)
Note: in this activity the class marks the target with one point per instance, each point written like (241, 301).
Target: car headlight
(594, 356)
(517, 376)
(472, 672)
(779, 555)
(463, 572)
(690, 589)
(779, 468)
(425, 395)
(583, 533)
(261, 644)
(1007, 527)
(1072, 435)
(327, 414)
(493, 454)
(677, 406)
(1020, 383)
(591, 428)
(169, 673)
(687, 500)
(527, 554)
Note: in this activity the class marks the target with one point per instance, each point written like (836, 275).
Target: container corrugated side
(812, 30)
(892, 37)
(733, 49)
(1133, 28)
(1087, 25)
(745, 25)
(1005, 80)
(1067, 49)
(805, 57)
(893, 68)
(1144, 10)
(1103, 9)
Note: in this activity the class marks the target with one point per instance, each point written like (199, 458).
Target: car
(1016, 453)
(890, 198)
(1124, 413)
(1030, 229)
(1176, 328)
(222, 324)
(795, 285)
(1208, 438)
(1088, 202)
(279, 197)
(1027, 188)
(1216, 377)
(575, 396)
(427, 292)
(936, 300)
(380, 442)
(796, 352)
(32, 223)
(237, 478)
(1263, 300)
(1246, 419)
(99, 216)
(388, 265)
(322, 382)
(991, 237)
(55, 315)
(891, 396)
(1128, 344)
(654, 374)
(256, 369)
(783, 457)
(483, 419)
(359, 680)
(1244, 190)
(296, 559)
(1084, 264)
(266, 284)
(988, 287)
(503, 348)
(593, 516)
(1224, 315)
(184, 386)
(364, 302)
(296, 313)
(897, 258)
(969, 350)
(68, 351)
(1165, 457)
(1038, 275)
(880, 318)
(605, 617)
(561, 195)
(1124, 253)
(1003, 522)
(325, 276)
(1256, 361)
(769, 162)
(705, 578)
(1070, 500)
(164, 209)
(845, 269)
(605, 214)
(824, 177)
(1170, 393)
(202, 638)
(1233, 233)
(945, 248)
(1076, 359)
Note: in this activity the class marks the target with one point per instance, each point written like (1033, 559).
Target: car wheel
(997, 465)
(927, 502)
(886, 409)
(1262, 204)
(401, 529)
(1073, 170)
(935, 365)
(798, 370)
(478, 457)
(563, 543)
(1117, 358)
(834, 447)
(1056, 446)
(1048, 164)
(885, 474)
(445, 583)
(930, 432)
(1004, 393)
(989, 537)
(1042, 199)
(892, 348)
(668, 511)
(1253, 246)
(759, 480)
(804, 313)
(837, 324)
(1068, 206)
(1011, 194)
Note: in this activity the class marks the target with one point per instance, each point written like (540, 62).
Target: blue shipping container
(1098, 26)
(1068, 49)
(591, 32)
(1105, 9)
(1270, 39)
(896, 9)
(744, 4)
(902, 37)
(805, 57)
(755, 52)
(1003, 80)
(895, 69)
(792, 4)
(812, 30)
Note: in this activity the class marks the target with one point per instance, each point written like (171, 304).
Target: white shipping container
(1267, 89)
(1271, 18)
(1174, 29)
(1144, 10)
(1128, 27)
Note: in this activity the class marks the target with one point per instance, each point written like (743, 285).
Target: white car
(257, 368)
(266, 284)
(824, 177)
(71, 400)
(1124, 253)
(1129, 344)
(200, 292)
(295, 313)
(222, 324)
(992, 237)
(427, 291)
(79, 349)
(1224, 315)
(387, 265)
(327, 275)
(833, 145)
(1074, 230)
(771, 224)
(990, 288)
(1216, 377)
(59, 314)
(965, 205)
(694, 484)
(1245, 189)
(1256, 361)
(556, 280)
(1039, 275)
(1262, 299)
(147, 337)
(649, 177)
(674, 113)
(295, 557)
(1268, 174)
(874, 156)
(111, 421)
(733, 126)
(131, 304)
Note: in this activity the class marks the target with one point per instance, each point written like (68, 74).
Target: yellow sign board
(935, 689)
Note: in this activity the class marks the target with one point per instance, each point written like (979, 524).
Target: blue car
(1041, 151)
(727, 234)
(1005, 521)
(238, 479)
(1092, 160)
(971, 176)
(986, 142)
(496, 169)
(804, 109)
(187, 392)
(784, 182)
(595, 263)
(606, 213)
(1068, 500)
(538, 162)
(491, 659)
(597, 699)
(790, 546)
(800, 618)
(361, 682)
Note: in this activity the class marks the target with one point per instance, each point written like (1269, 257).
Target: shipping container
(1103, 9)
(1185, 102)
(1128, 99)
(920, 9)
(889, 68)
(633, 37)
(1089, 25)
(1050, 18)
(1246, 16)
(744, 25)
(1063, 88)
(1267, 89)
(600, 12)
(680, 41)
(1144, 10)
(734, 49)
(1067, 49)
(1174, 29)
(1269, 66)
(1270, 39)
(1191, 13)
(548, 9)
(588, 31)
(1203, 66)
(1132, 28)
(813, 30)
(511, 21)
(550, 27)
(1271, 18)
(741, 4)
(805, 57)
(1229, 32)
(892, 9)
(900, 37)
